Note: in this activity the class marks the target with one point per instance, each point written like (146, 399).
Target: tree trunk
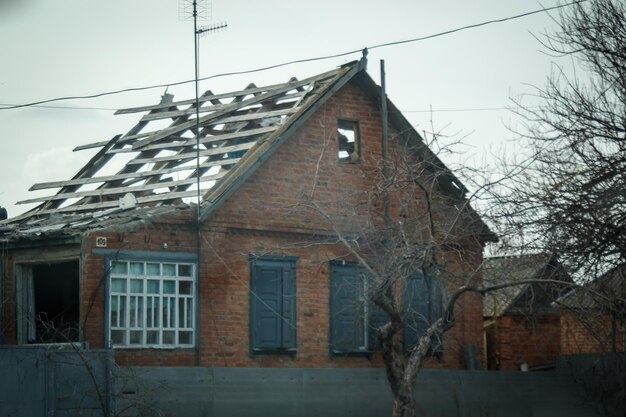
(404, 403)
(395, 365)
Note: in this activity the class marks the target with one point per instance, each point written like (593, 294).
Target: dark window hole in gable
(348, 141)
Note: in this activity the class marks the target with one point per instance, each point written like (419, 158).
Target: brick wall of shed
(519, 339)
(589, 331)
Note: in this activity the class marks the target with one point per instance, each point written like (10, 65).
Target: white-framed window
(151, 303)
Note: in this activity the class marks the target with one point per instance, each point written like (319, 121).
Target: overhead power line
(43, 106)
(434, 110)
(297, 61)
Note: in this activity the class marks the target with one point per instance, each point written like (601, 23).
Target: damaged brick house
(522, 322)
(120, 256)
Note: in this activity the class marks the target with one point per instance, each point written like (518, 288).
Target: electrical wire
(464, 110)
(461, 110)
(43, 106)
(476, 25)
(297, 61)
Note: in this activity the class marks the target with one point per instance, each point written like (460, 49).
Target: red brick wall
(519, 339)
(179, 234)
(590, 332)
(224, 299)
(224, 315)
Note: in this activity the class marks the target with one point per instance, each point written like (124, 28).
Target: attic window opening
(348, 141)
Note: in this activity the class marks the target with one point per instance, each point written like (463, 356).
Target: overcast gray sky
(77, 47)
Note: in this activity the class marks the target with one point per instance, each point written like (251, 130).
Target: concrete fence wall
(44, 382)
(49, 381)
(350, 392)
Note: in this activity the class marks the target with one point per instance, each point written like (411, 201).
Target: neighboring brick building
(522, 325)
(593, 316)
(254, 277)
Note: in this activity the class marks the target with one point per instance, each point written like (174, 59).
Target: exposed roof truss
(159, 161)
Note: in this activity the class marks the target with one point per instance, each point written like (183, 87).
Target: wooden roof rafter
(157, 161)
(151, 183)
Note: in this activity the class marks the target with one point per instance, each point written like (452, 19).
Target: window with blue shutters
(272, 304)
(422, 305)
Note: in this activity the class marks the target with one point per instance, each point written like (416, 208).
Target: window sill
(350, 353)
(272, 351)
(57, 345)
(139, 347)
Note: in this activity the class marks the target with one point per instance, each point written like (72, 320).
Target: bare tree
(571, 199)
(413, 226)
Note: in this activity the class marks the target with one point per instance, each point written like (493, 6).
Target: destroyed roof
(158, 166)
(527, 297)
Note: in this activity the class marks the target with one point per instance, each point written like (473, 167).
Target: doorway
(48, 302)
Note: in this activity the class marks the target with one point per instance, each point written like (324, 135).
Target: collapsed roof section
(156, 164)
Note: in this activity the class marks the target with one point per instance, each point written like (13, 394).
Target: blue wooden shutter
(273, 304)
(288, 321)
(416, 309)
(347, 309)
(423, 304)
(377, 319)
(436, 309)
(266, 307)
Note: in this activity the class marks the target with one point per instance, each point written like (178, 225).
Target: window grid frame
(156, 312)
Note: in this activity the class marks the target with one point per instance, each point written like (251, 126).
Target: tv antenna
(198, 10)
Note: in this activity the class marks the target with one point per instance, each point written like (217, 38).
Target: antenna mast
(199, 10)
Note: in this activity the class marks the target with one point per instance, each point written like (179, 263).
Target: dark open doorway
(49, 302)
